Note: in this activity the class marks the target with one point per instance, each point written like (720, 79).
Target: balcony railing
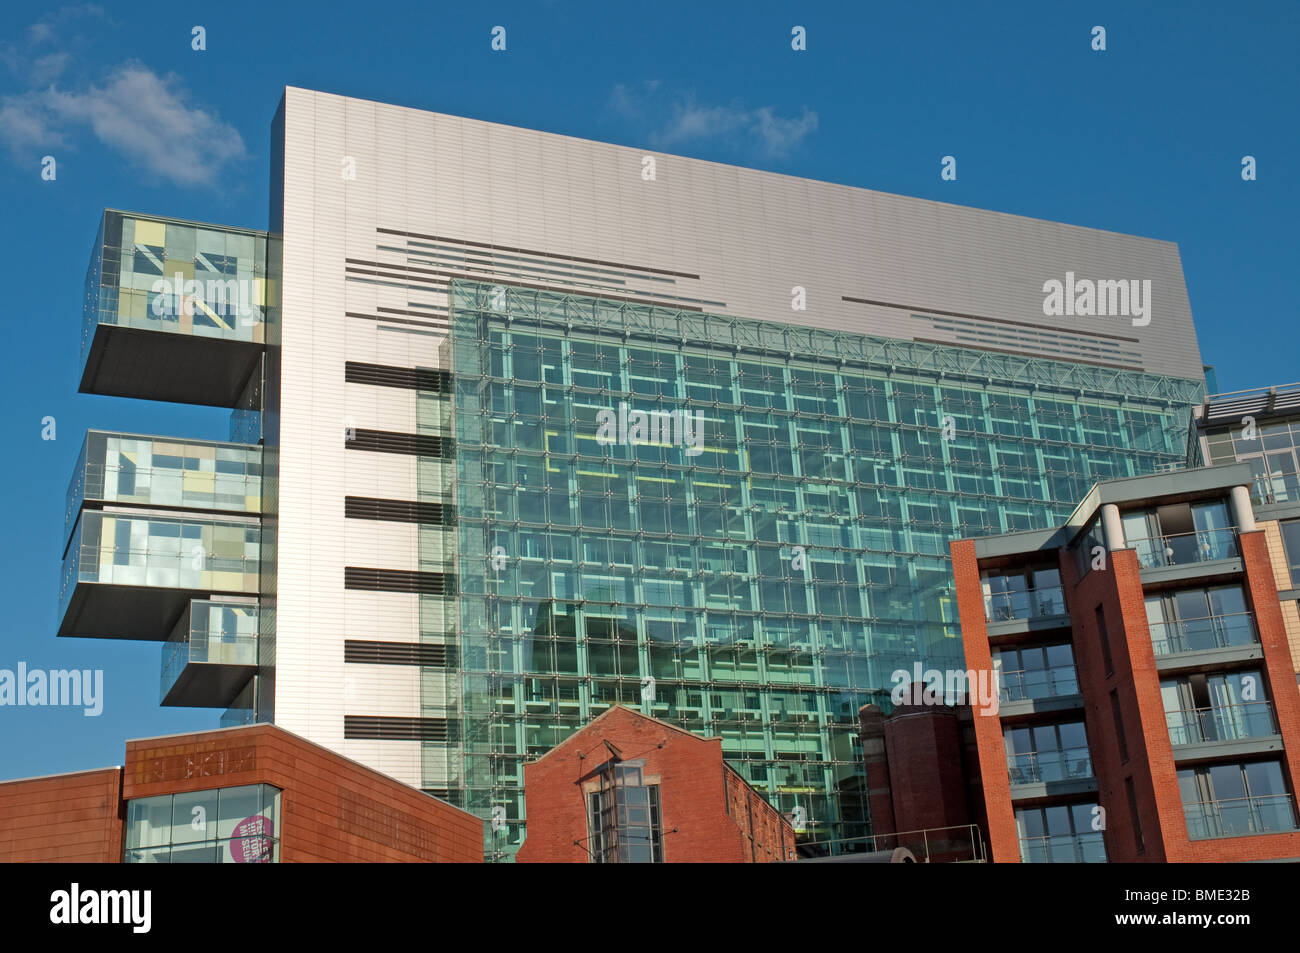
(1223, 723)
(1035, 767)
(1038, 683)
(1240, 817)
(1182, 549)
(1086, 848)
(1024, 604)
(1195, 635)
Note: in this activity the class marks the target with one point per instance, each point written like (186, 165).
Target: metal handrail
(1257, 823)
(1227, 724)
(1209, 544)
(1217, 629)
(1037, 759)
(1014, 682)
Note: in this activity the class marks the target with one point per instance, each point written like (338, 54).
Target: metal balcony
(1240, 817)
(1240, 722)
(1087, 848)
(211, 656)
(1234, 630)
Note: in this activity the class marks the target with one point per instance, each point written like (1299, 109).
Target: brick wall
(332, 809)
(704, 814)
(67, 818)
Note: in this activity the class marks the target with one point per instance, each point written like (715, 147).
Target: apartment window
(1236, 800)
(1104, 635)
(623, 817)
(1035, 671)
(1193, 620)
(1043, 753)
(1227, 706)
(1064, 833)
(1291, 545)
(1024, 594)
(239, 825)
(1181, 533)
(1131, 793)
(1118, 717)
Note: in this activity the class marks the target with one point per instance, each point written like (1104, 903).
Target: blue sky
(1146, 137)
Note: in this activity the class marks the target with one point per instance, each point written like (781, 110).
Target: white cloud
(143, 116)
(147, 118)
(685, 119)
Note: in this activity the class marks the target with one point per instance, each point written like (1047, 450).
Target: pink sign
(250, 842)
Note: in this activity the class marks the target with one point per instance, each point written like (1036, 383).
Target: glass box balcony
(129, 576)
(211, 656)
(173, 310)
(164, 471)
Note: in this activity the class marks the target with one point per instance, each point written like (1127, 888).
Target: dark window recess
(397, 653)
(1118, 718)
(399, 580)
(1133, 812)
(398, 511)
(383, 728)
(1104, 634)
(386, 441)
(412, 378)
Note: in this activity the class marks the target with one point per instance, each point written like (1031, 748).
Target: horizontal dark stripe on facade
(926, 312)
(399, 580)
(387, 441)
(392, 320)
(385, 728)
(385, 375)
(560, 287)
(544, 254)
(398, 511)
(365, 651)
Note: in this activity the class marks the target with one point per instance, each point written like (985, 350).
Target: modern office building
(523, 422)
(629, 788)
(1261, 428)
(1147, 706)
(250, 795)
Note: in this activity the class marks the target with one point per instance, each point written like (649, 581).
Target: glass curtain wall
(738, 526)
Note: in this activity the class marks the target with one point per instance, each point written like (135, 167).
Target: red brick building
(1148, 702)
(251, 794)
(630, 788)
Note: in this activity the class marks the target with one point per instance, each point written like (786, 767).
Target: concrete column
(1113, 526)
(1242, 513)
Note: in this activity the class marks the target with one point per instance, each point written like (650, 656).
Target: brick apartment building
(252, 794)
(630, 788)
(1149, 709)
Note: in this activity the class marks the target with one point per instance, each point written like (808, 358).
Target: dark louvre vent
(412, 378)
(399, 580)
(386, 441)
(396, 653)
(383, 728)
(398, 511)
